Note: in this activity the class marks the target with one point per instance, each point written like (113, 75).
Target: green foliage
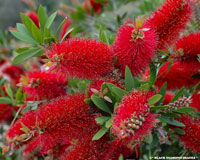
(5, 100)
(171, 121)
(99, 102)
(130, 82)
(154, 99)
(100, 133)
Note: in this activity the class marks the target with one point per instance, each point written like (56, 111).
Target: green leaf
(130, 82)
(121, 157)
(108, 123)
(162, 92)
(69, 31)
(2, 81)
(99, 102)
(103, 36)
(59, 27)
(158, 108)
(153, 73)
(50, 20)
(179, 131)
(26, 109)
(173, 115)
(119, 92)
(25, 55)
(154, 99)
(23, 37)
(47, 32)
(102, 120)
(87, 101)
(37, 34)
(42, 16)
(149, 138)
(178, 94)
(27, 21)
(5, 100)
(199, 58)
(171, 121)
(20, 50)
(100, 133)
(19, 94)
(9, 92)
(184, 110)
(22, 29)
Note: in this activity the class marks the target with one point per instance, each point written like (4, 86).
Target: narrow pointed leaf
(162, 92)
(25, 55)
(171, 121)
(178, 94)
(100, 133)
(99, 102)
(50, 20)
(130, 82)
(5, 100)
(42, 16)
(154, 99)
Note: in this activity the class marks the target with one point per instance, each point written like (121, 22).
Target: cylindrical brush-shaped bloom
(43, 85)
(195, 103)
(178, 74)
(133, 119)
(117, 148)
(28, 119)
(5, 112)
(69, 109)
(189, 46)
(82, 58)
(134, 47)
(62, 109)
(64, 134)
(85, 148)
(170, 20)
(191, 138)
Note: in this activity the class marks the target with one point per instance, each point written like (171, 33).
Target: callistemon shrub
(102, 85)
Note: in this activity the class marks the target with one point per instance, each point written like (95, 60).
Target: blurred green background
(10, 9)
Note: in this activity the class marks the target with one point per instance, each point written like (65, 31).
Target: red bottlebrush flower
(13, 72)
(29, 120)
(82, 58)
(34, 18)
(63, 135)
(190, 45)
(44, 84)
(134, 47)
(179, 74)
(168, 97)
(5, 112)
(62, 109)
(133, 119)
(69, 115)
(170, 20)
(117, 148)
(98, 83)
(191, 137)
(87, 149)
(10, 72)
(196, 101)
(64, 29)
(88, 5)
